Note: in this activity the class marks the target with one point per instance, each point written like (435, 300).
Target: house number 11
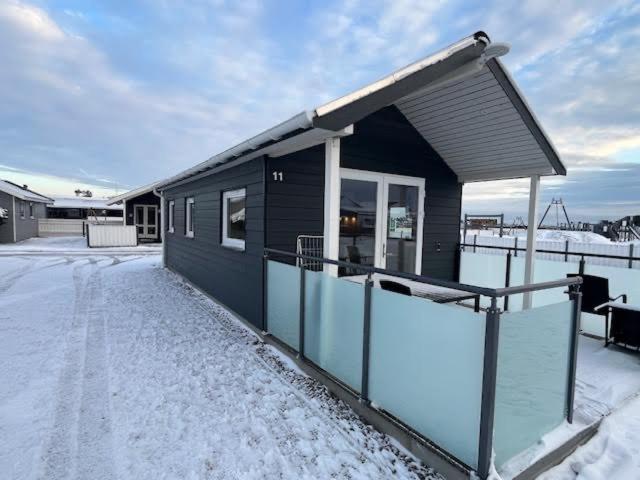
(278, 176)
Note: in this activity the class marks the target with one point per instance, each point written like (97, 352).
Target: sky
(113, 95)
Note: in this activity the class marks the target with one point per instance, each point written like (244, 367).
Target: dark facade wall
(232, 277)
(148, 198)
(27, 227)
(6, 229)
(382, 142)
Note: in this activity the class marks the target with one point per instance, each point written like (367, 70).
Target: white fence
(62, 227)
(112, 235)
(567, 250)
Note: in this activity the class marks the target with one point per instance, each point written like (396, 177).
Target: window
(188, 226)
(31, 210)
(22, 209)
(233, 218)
(172, 212)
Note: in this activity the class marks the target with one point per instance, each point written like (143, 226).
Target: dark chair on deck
(396, 287)
(595, 293)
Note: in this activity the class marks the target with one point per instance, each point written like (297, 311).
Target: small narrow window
(22, 209)
(31, 210)
(189, 217)
(172, 210)
(234, 218)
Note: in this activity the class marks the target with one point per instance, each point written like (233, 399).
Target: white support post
(532, 234)
(331, 239)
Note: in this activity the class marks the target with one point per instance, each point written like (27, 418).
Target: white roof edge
(133, 193)
(399, 75)
(18, 192)
(302, 120)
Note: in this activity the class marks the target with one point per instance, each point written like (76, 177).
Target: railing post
(576, 296)
(631, 255)
(566, 250)
(581, 267)
(302, 300)
(507, 280)
(475, 241)
(515, 246)
(489, 375)
(366, 338)
(464, 232)
(265, 292)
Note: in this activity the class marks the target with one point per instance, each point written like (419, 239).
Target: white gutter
(301, 121)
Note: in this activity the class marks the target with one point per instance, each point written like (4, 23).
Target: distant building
(20, 209)
(82, 208)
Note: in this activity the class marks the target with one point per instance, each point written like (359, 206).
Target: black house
(374, 177)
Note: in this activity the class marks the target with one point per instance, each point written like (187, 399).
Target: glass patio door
(146, 219)
(381, 220)
(402, 243)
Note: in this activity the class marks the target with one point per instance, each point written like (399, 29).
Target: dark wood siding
(232, 277)
(382, 142)
(295, 205)
(148, 198)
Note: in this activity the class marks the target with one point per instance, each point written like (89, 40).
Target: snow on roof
(132, 193)
(21, 192)
(83, 202)
(461, 100)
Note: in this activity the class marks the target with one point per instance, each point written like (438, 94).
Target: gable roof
(132, 193)
(22, 193)
(461, 100)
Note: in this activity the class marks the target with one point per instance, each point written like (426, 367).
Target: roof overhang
(132, 193)
(22, 193)
(461, 100)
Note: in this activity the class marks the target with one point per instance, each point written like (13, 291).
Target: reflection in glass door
(400, 244)
(358, 209)
(381, 220)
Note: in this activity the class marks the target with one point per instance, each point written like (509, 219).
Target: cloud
(133, 92)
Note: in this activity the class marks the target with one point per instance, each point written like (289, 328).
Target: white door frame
(145, 221)
(383, 180)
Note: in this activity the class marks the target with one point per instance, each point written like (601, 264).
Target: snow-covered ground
(607, 379)
(70, 245)
(113, 368)
(546, 235)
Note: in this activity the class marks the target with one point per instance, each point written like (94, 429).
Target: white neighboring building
(82, 208)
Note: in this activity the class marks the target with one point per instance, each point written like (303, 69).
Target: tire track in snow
(80, 444)
(58, 459)
(95, 449)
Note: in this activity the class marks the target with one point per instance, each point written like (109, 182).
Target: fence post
(501, 223)
(631, 255)
(366, 337)
(566, 250)
(581, 269)
(515, 246)
(475, 241)
(489, 374)
(464, 232)
(576, 296)
(265, 292)
(302, 299)
(507, 280)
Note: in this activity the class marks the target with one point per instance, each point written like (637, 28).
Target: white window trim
(189, 230)
(234, 243)
(31, 210)
(23, 209)
(172, 208)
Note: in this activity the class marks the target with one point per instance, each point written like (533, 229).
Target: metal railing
(491, 340)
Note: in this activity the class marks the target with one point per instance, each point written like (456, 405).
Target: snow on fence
(424, 362)
(111, 235)
(567, 250)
